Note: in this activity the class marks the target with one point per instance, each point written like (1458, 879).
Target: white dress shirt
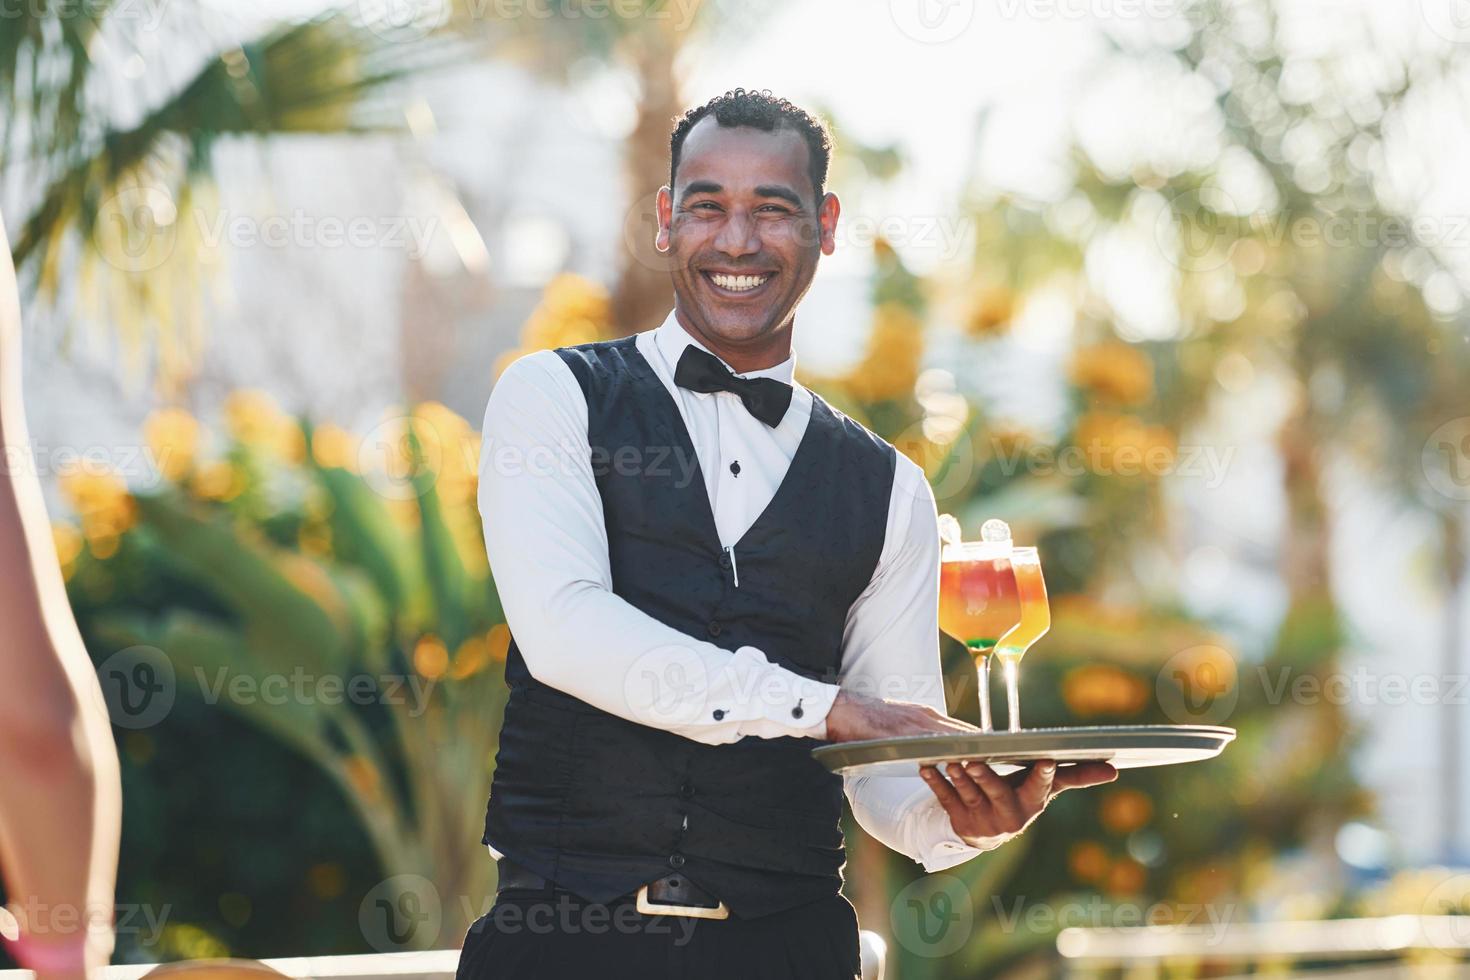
(547, 544)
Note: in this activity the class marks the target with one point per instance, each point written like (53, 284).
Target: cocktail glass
(1034, 622)
(978, 599)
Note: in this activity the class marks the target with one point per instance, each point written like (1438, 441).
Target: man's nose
(738, 236)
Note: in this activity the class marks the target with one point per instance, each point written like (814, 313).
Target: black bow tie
(765, 398)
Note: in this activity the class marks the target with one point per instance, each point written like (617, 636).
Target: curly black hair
(761, 110)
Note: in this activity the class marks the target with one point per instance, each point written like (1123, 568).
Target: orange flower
(472, 657)
(1126, 877)
(430, 657)
(499, 638)
(1114, 372)
(1102, 689)
(990, 311)
(1087, 860)
(1123, 811)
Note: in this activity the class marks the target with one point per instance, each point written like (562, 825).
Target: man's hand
(855, 716)
(985, 808)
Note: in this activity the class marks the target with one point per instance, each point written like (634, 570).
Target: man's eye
(707, 205)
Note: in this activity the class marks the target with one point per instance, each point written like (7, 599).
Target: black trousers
(540, 935)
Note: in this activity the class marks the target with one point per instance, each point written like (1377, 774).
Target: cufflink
(796, 712)
(719, 713)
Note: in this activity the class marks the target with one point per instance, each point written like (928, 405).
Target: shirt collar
(672, 338)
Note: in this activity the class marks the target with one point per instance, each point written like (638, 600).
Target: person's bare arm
(60, 792)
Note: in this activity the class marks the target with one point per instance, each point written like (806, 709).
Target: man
(704, 568)
(60, 792)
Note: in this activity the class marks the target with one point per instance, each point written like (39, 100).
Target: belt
(672, 894)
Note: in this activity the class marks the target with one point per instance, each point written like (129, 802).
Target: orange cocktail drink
(978, 603)
(1034, 621)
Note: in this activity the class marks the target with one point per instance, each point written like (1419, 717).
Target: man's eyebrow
(701, 187)
(778, 191)
(782, 193)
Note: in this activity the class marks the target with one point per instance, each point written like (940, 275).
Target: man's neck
(763, 352)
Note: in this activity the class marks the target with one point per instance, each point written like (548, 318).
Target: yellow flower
(333, 447)
(1114, 372)
(103, 506)
(890, 368)
(450, 448)
(219, 480)
(1124, 445)
(68, 542)
(573, 310)
(255, 421)
(1102, 689)
(173, 439)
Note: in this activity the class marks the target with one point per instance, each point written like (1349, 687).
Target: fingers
(948, 797)
(963, 777)
(1083, 774)
(1037, 788)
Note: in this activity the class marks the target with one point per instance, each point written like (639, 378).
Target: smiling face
(745, 229)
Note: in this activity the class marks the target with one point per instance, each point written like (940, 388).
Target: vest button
(714, 627)
(686, 791)
(676, 860)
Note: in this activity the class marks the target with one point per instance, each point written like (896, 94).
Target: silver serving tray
(1124, 746)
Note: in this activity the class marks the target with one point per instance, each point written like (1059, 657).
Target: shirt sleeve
(891, 650)
(547, 543)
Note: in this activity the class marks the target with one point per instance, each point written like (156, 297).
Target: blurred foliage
(333, 595)
(120, 177)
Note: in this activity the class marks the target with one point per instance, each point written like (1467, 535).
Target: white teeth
(737, 284)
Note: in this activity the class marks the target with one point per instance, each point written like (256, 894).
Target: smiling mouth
(737, 285)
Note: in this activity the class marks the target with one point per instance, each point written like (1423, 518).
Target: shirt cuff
(770, 701)
(941, 848)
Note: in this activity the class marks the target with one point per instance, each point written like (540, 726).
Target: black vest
(601, 804)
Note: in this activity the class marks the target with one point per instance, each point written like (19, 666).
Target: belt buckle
(720, 911)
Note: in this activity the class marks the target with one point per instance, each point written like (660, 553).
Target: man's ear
(664, 207)
(827, 213)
